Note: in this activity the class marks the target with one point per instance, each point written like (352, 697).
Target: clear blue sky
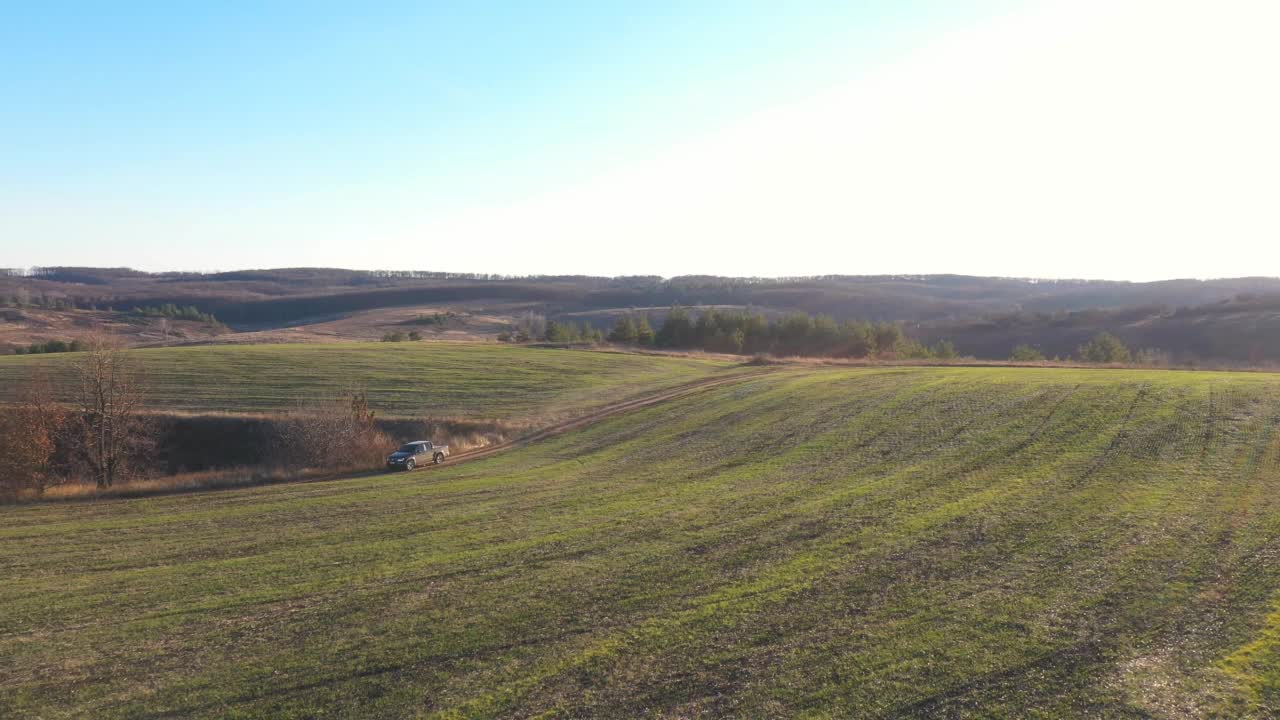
(222, 135)
(188, 99)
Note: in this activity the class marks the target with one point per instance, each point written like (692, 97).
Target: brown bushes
(181, 483)
(29, 432)
(459, 434)
(338, 433)
(106, 445)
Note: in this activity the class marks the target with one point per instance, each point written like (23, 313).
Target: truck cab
(418, 452)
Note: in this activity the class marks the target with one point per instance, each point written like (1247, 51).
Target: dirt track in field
(596, 416)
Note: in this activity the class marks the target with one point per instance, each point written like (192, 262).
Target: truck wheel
(439, 458)
(409, 465)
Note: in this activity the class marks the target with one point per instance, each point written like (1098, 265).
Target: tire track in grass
(583, 421)
(968, 685)
(786, 579)
(1133, 531)
(1246, 664)
(544, 434)
(1121, 435)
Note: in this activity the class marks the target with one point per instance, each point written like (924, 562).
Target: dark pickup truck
(419, 452)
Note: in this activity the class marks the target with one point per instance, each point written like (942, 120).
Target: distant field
(411, 379)
(923, 542)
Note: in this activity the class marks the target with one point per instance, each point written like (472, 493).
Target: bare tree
(29, 430)
(107, 432)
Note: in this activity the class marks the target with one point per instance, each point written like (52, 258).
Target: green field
(403, 379)
(961, 543)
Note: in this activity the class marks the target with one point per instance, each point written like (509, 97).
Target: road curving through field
(599, 415)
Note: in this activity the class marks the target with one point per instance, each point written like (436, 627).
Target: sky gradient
(1126, 139)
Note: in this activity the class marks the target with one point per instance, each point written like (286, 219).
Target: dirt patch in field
(22, 327)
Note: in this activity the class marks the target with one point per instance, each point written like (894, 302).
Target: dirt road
(601, 414)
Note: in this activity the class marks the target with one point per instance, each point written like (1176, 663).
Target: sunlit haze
(1118, 139)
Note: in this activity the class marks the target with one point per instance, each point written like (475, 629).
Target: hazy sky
(1129, 139)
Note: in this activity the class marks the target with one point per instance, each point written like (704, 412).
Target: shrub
(563, 332)
(911, 350)
(441, 319)
(1152, 357)
(29, 430)
(338, 433)
(1026, 353)
(1104, 348)
(944, 350)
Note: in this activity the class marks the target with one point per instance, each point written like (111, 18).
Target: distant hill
(292, 294)
(1243, 329)
(1230, 319)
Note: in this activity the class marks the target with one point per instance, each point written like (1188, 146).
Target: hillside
(290, 295)
(985, 317)
(1243, 330)
(904, 542)
(441, 380)
(22, 327)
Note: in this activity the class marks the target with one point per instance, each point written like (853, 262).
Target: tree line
(534, 327)
(793, 334)
(24, 299)
(402, 336)
(51, 346)
(742, 333)
(1102, 349)
(173, 312)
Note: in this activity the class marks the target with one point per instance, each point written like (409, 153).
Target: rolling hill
(892, 542)
(1223, 321)
(441, 380)
(293, 295)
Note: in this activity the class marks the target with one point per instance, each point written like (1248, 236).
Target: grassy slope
(412, 379)
(885, 543)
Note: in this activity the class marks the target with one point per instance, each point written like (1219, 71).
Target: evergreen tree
(888, 337)
(644, 332)
(825, 336)
(676, 330)
(625, 331)
(559, 332)
(793, 334)
(858, 338)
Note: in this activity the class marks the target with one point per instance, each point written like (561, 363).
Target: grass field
(403, 379)
(922, 542)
